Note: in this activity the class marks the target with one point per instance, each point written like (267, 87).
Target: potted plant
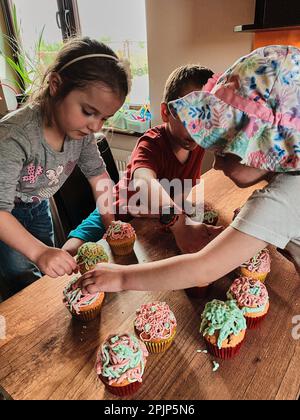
(25, 66)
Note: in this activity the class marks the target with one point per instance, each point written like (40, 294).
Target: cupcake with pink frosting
(258, 266)
(252, 298)
(155, 325)
(83, 307)
(121, 363)
(120, 237)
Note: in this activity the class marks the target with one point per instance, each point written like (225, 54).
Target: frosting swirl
(91, 253)
(155, 321)
(119, 230)
(74, 299)
(260, 263)
(121, 358)
(224, 318)
(210, 216)
(248, 292)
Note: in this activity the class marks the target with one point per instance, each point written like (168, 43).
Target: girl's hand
(192, 238)
(104, 278)
(55, 262)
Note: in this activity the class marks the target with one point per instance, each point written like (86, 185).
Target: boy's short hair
(184, 76)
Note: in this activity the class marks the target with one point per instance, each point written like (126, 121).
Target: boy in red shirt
(163, 152)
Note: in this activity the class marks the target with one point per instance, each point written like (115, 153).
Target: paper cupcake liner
(223, 353)
(197, 292)
(160, 346)
(87, 315)
(253, 323)
(121, 391)
(256, 276)
(122, 249)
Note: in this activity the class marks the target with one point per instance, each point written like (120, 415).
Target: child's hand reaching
(192, 238)
(55, 262)
(104, 278)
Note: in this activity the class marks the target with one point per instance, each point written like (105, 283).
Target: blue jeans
(16, 271)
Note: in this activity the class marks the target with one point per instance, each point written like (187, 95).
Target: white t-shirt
(272, 214)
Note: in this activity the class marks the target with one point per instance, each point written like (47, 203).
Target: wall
(192, 31)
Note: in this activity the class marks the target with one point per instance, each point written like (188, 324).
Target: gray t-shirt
(272, 214)
(30, 170)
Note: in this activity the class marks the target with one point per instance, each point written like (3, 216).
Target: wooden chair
(75, 201)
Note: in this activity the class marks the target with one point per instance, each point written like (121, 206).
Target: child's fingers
(70, 260)
(86, 276)
(86, 287)
(90, 289)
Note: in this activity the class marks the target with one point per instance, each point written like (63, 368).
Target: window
(121, 24)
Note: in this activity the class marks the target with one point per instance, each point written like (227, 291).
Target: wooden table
(48, 355)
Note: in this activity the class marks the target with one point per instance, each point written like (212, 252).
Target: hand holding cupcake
(90, 254)
(82, 307)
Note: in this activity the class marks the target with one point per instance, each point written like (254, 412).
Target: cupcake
(90, 254)
(82, 307)
(210, 216)
(258, 266)
(204, 214)
(120, 237)
(252, 298)
(223, 327)
(120, 364)
(155, 325)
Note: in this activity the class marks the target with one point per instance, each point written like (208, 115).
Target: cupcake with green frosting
(121, 363)
(210, 216)
(223, 327)
(90, 254)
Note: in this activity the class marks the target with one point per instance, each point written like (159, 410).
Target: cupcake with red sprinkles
(82, 307)
(155, 325)
(120, 237)
(121, 363)
(252, 298)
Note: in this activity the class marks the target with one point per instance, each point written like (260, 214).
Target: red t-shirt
(154, 151)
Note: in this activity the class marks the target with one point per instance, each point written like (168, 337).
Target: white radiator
(121, 158)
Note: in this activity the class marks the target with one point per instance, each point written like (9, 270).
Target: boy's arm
(225, 253)
(153, 196)
(90, 229)
(102, 187)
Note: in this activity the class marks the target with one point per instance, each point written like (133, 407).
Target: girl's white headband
(83, 57)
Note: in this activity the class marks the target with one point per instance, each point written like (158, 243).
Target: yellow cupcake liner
(160, 346)
(87, 315)
(123, 248)
(256, 276)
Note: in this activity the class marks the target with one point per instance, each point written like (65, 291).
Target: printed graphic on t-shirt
(33, 173)
(54, 174)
